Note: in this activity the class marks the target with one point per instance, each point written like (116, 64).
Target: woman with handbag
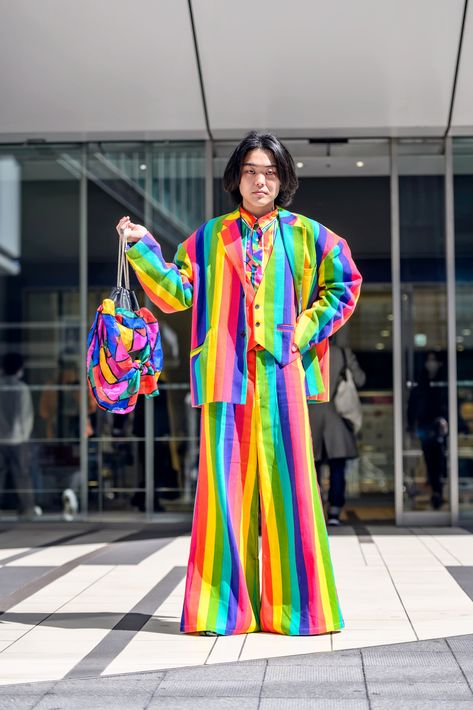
(266, 287)
(334, 435)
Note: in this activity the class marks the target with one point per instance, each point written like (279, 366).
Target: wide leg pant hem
(236, 632)
(316, 632)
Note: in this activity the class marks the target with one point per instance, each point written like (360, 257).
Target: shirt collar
(263, 221)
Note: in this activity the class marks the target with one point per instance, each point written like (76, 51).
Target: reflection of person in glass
(267, 287)
(334, 439)
(427, 418)
(16, 425)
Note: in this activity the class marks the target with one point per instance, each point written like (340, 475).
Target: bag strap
(123, 269)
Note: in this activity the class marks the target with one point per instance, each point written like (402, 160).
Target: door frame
(426, 517)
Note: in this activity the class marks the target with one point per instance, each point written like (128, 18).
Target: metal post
(397, 327)
(149, 403)
(83, 280)
(451, 332)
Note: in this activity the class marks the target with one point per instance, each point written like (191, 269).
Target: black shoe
(209, 633)
(333, 520)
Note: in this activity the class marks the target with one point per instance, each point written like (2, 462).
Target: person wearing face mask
(427, 413)
(267, 287)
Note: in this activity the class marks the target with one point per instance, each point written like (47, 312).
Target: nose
(260, 179)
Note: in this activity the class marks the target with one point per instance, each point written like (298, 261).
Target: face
(432, 365)
(259, 182)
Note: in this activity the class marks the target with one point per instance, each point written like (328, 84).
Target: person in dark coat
(427, 413)
(333, 439)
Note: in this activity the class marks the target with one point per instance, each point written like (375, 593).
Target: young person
(267, 287)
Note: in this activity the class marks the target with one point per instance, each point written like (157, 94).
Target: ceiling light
(143, 166)
(420, 340)
(299, 164)
(379, 346)
(385, 333)
(359, 163)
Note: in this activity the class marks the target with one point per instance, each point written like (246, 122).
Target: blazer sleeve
(334, 294)
(168, 285)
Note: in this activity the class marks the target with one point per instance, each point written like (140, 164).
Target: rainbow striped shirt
(269, 225)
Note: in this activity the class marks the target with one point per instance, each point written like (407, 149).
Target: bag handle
(123, 269)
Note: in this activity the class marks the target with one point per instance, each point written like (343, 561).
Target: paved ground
(91, 613)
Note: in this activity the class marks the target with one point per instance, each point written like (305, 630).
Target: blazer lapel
(230, 235)
(293, 239)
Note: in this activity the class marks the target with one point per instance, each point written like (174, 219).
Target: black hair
(282, 157)
(12, 363)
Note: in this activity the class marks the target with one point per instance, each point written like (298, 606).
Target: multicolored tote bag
(124, 352)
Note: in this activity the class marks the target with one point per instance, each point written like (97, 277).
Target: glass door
(424, 339)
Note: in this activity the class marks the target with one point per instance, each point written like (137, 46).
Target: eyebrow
(255, 165)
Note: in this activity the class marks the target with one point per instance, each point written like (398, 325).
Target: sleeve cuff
(132, 249)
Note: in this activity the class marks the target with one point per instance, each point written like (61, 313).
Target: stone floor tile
(347, 658)
(312, 689)
(431, 646)
(419, 673)
(421, 691)
(312, 704)
(26, 689)
(461, 644)
(316, 673)
(211, 688)
(105, 702)
(227, 671)
(23, 703)
(96, 687)
(410, 704)
(168, 703)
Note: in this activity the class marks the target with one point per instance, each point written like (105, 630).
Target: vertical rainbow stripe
(260, 449)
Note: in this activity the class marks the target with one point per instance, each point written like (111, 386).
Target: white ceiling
(127, 69)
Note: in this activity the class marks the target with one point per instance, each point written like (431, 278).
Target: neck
(258, 211)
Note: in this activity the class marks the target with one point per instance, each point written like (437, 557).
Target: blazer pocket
(285, 327)
(308, 282)
(196, 351)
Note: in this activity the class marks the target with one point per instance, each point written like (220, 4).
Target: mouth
(260, 193)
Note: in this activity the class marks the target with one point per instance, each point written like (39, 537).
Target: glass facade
(58, 208)
(128, 464)
(463, 216)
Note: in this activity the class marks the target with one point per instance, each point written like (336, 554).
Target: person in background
(427, 412)
(16, 425)
(333, 438)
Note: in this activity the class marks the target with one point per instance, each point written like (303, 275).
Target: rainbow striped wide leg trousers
(259, 455)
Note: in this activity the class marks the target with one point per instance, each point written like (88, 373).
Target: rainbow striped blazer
(309, 289)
